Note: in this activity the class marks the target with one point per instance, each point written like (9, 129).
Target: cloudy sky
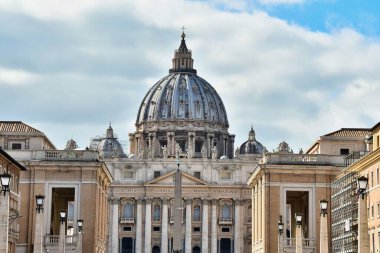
(294, 69)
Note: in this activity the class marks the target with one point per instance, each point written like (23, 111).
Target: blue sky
(294, 69)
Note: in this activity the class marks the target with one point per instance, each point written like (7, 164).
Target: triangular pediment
(168, 179)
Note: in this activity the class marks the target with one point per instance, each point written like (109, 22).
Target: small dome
(110, 146)
(251, 146)
(224, 157)
(132, 156)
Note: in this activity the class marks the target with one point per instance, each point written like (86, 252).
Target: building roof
(351, 132)
(375, 126)
(21, 127)
(12, 160)
(17, 126)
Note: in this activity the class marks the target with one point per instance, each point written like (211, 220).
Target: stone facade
(10, 204)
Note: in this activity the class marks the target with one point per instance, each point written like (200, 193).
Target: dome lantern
(182, 61)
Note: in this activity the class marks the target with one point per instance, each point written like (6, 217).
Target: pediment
(168, 179)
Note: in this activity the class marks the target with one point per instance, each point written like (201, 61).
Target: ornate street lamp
(280, 227)
(80, 225)
(5, 179)
(62, 214)
(323, 205)
(362, 183)
(299, 219)
(40, 203)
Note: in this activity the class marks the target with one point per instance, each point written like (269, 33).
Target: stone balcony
(127, 220)
(308, 245)
(51, 243)
(225, 221)
(55, 155)
(304, 159)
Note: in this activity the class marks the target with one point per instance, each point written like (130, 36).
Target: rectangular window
(198, 146)
(373, 212)
(16, 146)
(128, 174)
(377, 176)
(156, 229)
(157, 174)
(127, 228)
(225, 230)
(344, 151)
(371, 178)
(197, 174)
(225, 175)
(196, 229)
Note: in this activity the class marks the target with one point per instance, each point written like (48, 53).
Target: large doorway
(196, 249)
(127, 245)
(156, 249)
(225, 245)
(297, 202)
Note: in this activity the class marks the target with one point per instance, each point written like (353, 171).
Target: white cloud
(289, 82)
(16, 77)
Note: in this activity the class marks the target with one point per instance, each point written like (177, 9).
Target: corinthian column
(138, 226)
(164, 234)
(213, 227)
(237, 236)
(148, 226)
(205, 226)
(188, 227)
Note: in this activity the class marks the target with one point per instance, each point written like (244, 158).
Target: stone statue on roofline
(204, 152)
(214, 153)
(164, 152)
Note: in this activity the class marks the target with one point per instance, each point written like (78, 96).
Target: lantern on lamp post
(5, 179)
(40, 203)
(363, 238)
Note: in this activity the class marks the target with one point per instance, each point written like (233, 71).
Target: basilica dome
(251, 146)
(110, 146)
(182, 95)
(182, 114)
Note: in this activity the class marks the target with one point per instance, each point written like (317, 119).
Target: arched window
(156, 212)
(197, 213)
(226, 212)
(128, 210)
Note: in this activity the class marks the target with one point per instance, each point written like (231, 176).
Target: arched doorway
(156, 249)
(196, 249)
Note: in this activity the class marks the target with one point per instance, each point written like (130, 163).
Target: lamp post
(62, 232)
(363, 240)
(280, 226)
(38, 245)
(298, 232)
(80, 232)
(5, 179)
(323, 235)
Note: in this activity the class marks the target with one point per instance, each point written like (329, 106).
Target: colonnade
(209, 239)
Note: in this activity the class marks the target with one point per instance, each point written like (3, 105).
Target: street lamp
(323, 205)
(62, 215)
(323, 232)
(80, 225)
(363, 238)
(5, 178)
(299, 219)
(40, 203)
(362, 183)
(280, 227)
